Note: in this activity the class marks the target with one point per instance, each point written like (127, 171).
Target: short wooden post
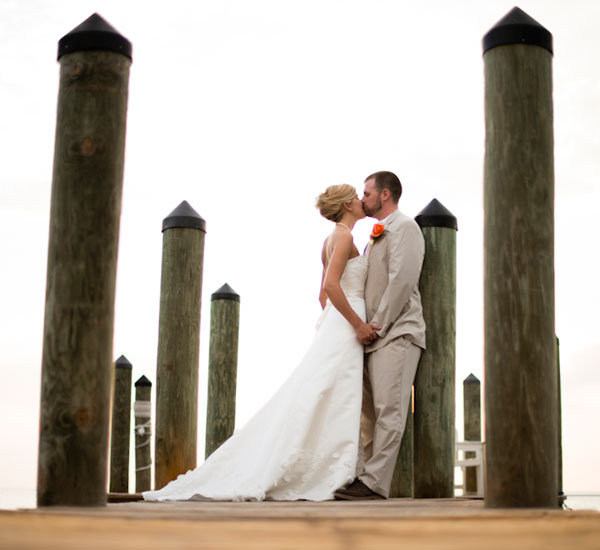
(222, 367)
(520, 356)
(142, 412)
(472, 426)
(178, 344)
(435, 378)
(120, 427)
(402, 480)
(82, 257)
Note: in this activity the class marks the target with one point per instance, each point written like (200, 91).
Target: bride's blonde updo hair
(331, 202)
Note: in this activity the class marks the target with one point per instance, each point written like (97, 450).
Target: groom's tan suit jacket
(392, 287)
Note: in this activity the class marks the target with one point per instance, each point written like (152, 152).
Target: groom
(393, 302)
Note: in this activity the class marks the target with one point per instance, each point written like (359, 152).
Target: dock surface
(396, 523)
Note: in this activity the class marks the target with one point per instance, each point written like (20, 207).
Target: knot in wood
(76, 70)
(82, 418)
(87, 147)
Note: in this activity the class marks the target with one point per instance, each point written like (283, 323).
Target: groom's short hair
(387, 180)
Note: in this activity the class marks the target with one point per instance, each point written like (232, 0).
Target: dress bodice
(354, 276)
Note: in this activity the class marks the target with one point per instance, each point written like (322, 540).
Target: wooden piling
(178, 344)
(120, 427)
(222, 367)
(402, 480)
(472, 426)
(82, 255)
(435, 379)
(142, 411)
(520, 361)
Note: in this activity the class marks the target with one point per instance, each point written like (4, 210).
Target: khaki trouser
(387, 385)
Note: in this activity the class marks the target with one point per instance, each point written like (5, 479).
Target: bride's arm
(322, 294)
(341, 248)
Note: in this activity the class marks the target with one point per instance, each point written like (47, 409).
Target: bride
(303, 444)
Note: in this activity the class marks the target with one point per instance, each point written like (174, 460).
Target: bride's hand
(365, 332)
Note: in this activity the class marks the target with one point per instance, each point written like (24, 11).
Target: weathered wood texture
(222, 370)
(435, 379)
(381, 525)
(120, 427)
(178, 353)
(143, 435)
(472, 426)
(80, 285)
(520, 362)
(402, 480)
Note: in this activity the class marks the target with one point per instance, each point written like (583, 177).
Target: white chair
(462, 447)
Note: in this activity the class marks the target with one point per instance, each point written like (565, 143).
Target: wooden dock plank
(397, 523)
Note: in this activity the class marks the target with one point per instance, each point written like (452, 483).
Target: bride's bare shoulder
(337, 240)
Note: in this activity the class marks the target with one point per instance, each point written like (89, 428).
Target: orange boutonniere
(378, 230)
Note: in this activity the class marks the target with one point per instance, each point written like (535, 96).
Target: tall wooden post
(520, 361)
(402, 480)
(472, 426)
(178, 344)
(435, 378)
(85, 212)
(120, 427)
(222, 367)
(142, 412)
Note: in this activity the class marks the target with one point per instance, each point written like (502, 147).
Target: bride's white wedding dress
(303, 444)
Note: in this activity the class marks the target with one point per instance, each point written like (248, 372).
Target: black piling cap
(143, 381)
(123, 363)
(435, 214)
(95, 33)
(225, 293)
(471, 379)
(516, 27)
(184, 216)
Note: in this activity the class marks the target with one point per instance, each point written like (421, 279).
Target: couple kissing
(333, 429)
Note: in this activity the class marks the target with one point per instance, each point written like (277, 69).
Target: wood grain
(120, 429)
(520, 362)
(472, 426)
(80, 284)
(435, 378)
(222, 372)
(403, 523)
(178, 353)
(143, 455)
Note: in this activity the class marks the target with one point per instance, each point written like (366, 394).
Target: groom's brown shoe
(357, 490)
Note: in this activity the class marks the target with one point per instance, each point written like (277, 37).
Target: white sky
(247, 110)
